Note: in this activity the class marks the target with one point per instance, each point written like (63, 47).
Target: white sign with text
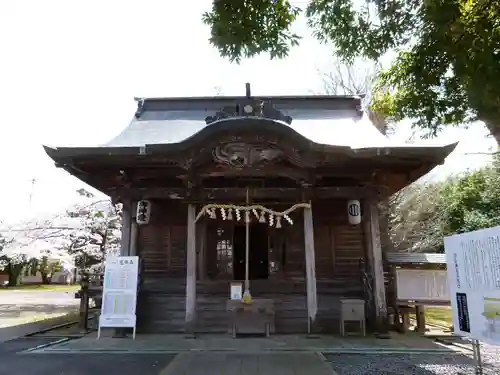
(473, 261)
(236, 291)
(119, 294)
(422, 285)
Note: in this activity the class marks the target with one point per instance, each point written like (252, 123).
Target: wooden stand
(254, 318)
(352, 310)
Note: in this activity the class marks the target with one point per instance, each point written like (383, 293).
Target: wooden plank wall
(338, 246)
(162, 247)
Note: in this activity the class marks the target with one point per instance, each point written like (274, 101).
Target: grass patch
(43, 288)
(437, 315)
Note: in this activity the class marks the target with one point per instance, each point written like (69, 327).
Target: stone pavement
(217, 363)
(170, 343)
(92, 364)
(219, 354)
(15, 331)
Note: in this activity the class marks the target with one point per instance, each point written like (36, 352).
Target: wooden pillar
(375, 263)
(201, 237)
(394, 290)
(134, 231)
(405, 325)
(420, 317)
(312, 305)
(126, 229)
(125, 247)
(191, 269)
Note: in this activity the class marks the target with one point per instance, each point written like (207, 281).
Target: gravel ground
(415, 364)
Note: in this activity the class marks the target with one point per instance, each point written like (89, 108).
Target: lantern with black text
(354, 212)
(143, 212)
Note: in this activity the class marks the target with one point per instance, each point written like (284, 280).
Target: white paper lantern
(354, 212)
(143, 212)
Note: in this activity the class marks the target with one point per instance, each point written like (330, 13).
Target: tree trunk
(493, 126)
(495, 132)
(14, 271)
(46, 278)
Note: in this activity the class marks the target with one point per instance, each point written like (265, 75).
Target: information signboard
(473, 261)
(422, 285)
(236, 291)
(119, 294)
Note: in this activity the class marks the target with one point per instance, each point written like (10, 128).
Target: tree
(46, 266)
(356, 79)
(447, 65)
(98, 231)
(415, 218)
(36, 245)
(473, 201)
(82, 235)
(422, 214)
(3, 259)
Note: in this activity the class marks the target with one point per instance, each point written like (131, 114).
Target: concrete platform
(217, 363)
(225, 343)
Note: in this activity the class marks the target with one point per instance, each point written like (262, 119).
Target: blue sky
(69, 72)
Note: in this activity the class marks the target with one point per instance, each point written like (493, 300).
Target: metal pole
(32, 191)
(476, 345)
(247, 247)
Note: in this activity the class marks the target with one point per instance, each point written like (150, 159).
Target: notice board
(474, 277)
(119, 295)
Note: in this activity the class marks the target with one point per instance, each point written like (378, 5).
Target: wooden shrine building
(280, 191)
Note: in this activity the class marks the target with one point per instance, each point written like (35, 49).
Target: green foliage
(45, 266)
(353, 31)
(450, 75)
(422, 215)
(3, 258)
(473, 201)
(245, 28)
(447, 68)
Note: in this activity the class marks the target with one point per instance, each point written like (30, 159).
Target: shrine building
(279, 196)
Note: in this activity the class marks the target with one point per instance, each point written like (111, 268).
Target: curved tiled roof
(328, 127)
(326, 123)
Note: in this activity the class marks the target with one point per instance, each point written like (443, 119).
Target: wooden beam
(134, 231)
(221, 170)
(191, 269)
(312, 304)
(220, 194)
(375, 262)
(112, 177)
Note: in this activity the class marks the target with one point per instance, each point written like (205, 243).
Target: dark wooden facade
(249, 150)
(162, 247)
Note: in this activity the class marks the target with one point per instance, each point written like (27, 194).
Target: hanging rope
(210, 209)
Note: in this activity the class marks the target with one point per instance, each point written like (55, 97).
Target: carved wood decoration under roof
(249, 107)
(240, 154)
